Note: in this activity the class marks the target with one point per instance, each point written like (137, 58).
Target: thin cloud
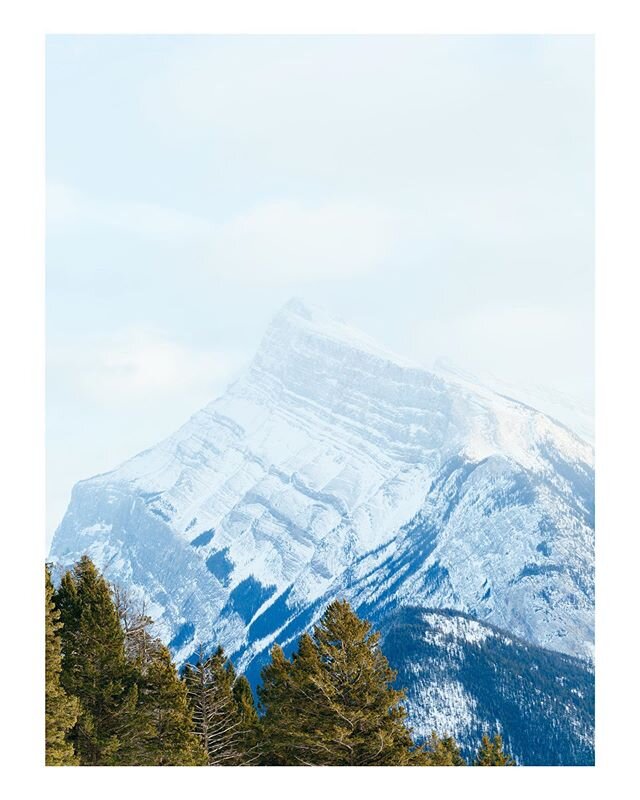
(140, 364)
(512, 339)
(272, 243)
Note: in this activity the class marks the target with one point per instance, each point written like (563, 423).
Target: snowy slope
(578, 416)
(333, 467)
(465, 678)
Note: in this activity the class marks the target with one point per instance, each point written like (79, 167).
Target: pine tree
(443, 752)
(95, 668)
(280, 699)
(491, 753)
(165, 736)
(244, 701)
(61, 710)
(334, 703)
(216, 716)
(249, 722)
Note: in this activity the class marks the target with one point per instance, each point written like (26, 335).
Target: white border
(22, 27)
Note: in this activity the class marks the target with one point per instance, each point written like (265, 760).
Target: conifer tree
(334, 703)
(443, 752)
(244, 701)
(216, 716)
(249, 721)
(165, 730)
(491, 753)
(94, 668)
(279, 697)
(61, 710)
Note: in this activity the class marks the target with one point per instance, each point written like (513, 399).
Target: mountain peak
(297, 306)
(299, 319)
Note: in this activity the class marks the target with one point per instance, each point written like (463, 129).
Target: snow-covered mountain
(576, 415)
(465, 678)
(333, 467)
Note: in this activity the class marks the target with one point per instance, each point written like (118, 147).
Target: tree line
(114, 696)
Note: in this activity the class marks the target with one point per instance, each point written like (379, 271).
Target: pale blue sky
(435, 191)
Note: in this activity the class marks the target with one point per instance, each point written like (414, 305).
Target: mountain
(466, 678)
(576, 415)
(333, 467)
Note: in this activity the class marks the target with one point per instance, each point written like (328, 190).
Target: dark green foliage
(244, 701)
(249, 722)
(133, 706)
(61, 709)
(443, 752)
(166, 727)
(334, 703)
(279, 697)
(491, 753)
(95, 668)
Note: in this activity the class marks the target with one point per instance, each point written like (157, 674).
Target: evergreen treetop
(443, 752)
(491, 753)
(95, 668)
(334, 702)
(166, 736)
(61, 709)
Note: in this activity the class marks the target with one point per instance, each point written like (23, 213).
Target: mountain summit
(333, 467)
